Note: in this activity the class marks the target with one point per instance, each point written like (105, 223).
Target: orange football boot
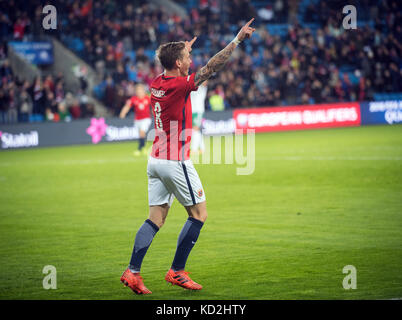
(181, 278)
(134, 282)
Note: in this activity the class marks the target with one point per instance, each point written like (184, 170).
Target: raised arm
(217, 62)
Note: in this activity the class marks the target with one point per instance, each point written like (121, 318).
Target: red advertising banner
(298, 117)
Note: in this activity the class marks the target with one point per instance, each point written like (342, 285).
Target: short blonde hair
(169, 52)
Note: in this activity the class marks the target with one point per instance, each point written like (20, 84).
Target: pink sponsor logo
(97, 129)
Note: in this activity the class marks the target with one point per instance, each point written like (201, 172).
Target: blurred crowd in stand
(310, 59)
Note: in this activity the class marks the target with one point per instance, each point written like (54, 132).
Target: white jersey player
(198, 104)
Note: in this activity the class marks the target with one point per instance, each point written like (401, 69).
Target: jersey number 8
(158, 120)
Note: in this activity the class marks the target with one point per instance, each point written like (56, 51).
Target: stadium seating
(278, 71)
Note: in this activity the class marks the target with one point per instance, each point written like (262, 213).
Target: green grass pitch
(318, 200)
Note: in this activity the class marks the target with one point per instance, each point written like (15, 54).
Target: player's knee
(201, 215)
(158, 222)
(204, 216)
(162, 222)
(158, 214)
(198, 211)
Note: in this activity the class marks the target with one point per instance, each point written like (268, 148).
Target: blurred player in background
(170, 171)
(198, 105)
(142, 120)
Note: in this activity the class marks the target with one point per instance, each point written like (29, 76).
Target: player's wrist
(236, 41)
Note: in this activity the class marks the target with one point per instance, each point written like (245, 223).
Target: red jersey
(141, 107)
(171, 107)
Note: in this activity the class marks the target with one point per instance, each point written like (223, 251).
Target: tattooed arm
(218, 61)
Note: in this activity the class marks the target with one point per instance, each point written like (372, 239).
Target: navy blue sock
(187, 239)
(141, 143)
(143, 240)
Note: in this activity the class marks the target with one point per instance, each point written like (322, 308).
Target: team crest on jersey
(200, 193)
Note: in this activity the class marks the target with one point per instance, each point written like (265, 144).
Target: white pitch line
(69, 162)
(127, 160)
(328, 158)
